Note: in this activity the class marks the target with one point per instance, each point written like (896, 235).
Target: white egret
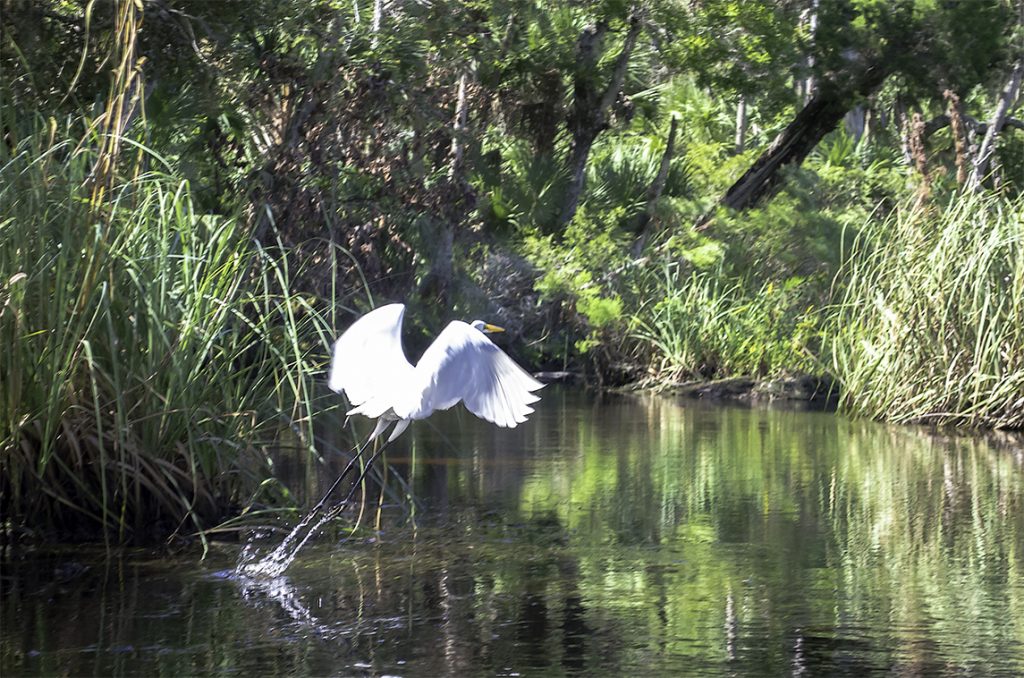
(370, 367)
(462, 365)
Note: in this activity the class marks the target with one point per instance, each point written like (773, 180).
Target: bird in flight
(462, 365)
(370, 367)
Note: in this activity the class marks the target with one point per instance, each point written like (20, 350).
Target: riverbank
(816, 392)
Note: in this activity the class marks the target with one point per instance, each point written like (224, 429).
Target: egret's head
(486, 328)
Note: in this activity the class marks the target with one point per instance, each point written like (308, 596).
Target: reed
(704, 324)
(931, 324)
(151, 354)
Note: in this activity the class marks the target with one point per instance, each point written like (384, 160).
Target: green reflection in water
(895, 545)
(635, 536)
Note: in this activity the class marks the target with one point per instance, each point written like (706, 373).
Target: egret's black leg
(308, 518)
(330, 490)
(381, 426)
(333, 513)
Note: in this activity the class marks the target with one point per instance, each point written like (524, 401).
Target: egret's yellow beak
(488, 327)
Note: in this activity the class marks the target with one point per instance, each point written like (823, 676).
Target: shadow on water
(630, 536)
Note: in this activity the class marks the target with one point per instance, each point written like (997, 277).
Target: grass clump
(151, 353)
(701, 324)
(931, 324)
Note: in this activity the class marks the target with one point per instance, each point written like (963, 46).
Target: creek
(621, 535)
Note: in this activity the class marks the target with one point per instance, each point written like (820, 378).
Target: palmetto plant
(530, 187)
(623, 169)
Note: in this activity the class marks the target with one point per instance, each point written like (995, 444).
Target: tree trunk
(819, 117)
(916, 140)
(960, 142)
(741, 124)
(590, 113)
(983, 159)
(855, 122)
(459, 130)
(437, 283)
(378, 16)
(654, 192)
(806, 86)
(903, 126)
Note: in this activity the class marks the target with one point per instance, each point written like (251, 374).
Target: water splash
(283, 592)
(278, 560)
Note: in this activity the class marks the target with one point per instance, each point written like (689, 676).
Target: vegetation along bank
(196, 197)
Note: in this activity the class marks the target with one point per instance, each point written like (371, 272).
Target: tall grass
(704, 325)
(931, 327)
(150, 353)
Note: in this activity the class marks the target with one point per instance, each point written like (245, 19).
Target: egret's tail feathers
(382, 424)
(373, 408)
(400, 427)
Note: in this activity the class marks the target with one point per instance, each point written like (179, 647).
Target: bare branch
(941, 121)
(988, 145)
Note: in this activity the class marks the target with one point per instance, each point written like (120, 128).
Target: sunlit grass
(150, 356)
(931, 327)
(703, 325)
(928, 323)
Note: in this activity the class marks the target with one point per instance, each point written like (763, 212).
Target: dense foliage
(665, 190)
(931, 326)
(155, 354)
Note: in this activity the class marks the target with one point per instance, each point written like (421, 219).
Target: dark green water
(632, 536)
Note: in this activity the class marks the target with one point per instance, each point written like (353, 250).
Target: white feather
(462, 365)
(369, 361)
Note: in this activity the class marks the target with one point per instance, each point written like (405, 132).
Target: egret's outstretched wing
(369, 362)
(463, 364)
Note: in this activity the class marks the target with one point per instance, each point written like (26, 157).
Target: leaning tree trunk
(590, 110)
(984, 157)
(821, 115)
(654, 192)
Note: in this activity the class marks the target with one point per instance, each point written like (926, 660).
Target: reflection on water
(632, 536)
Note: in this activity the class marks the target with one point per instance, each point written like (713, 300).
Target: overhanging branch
(942, 121)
